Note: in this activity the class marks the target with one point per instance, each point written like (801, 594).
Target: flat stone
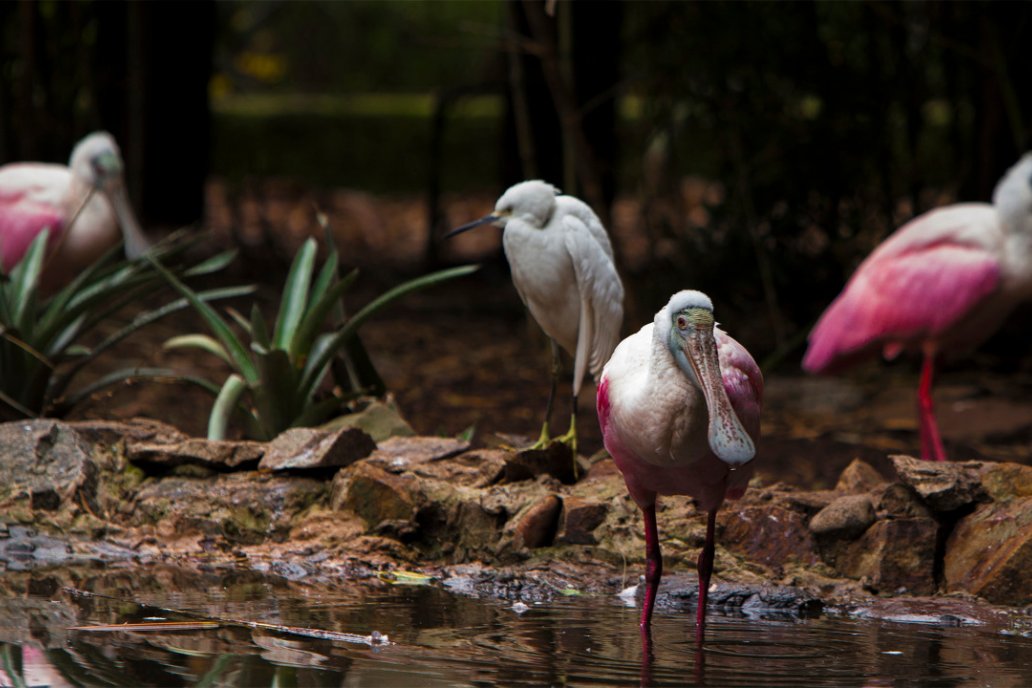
(168, 452)
(579, 519)
(399, 454)
(989, 552)
(769, 534)
(893, 555)
(943, 485)
(859, 476)
(555, 460)
(380, 420)
(474, 468)
(308, 448)
(846, 517)
(536, 527)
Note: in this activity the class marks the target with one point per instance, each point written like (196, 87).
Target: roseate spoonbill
(940, 285)
(679, 405)
(37, 197)
(562, 266)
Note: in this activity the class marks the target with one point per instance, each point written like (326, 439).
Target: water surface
(437, 638)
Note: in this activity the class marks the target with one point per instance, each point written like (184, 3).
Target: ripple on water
(440, 639)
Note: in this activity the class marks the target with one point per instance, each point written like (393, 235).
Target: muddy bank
(320, 508)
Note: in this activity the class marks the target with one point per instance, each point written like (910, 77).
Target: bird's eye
(682, 322)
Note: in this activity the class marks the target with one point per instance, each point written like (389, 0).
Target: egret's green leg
(570, 438)
(546, 437)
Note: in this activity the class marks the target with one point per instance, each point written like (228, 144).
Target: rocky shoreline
(324, 507)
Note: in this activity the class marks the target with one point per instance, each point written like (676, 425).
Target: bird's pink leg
(931, 441)
(705, 571)
(653, 564)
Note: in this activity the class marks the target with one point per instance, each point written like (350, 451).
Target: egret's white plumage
(37, 197)
(562, 266)
(679, 406)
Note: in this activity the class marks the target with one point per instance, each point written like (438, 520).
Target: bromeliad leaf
(295, 295)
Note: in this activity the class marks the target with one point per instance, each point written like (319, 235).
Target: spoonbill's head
(686, 325)
(97, 160)
(1013, 196)
(532, 202)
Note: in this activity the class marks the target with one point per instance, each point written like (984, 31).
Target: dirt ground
(466, 353)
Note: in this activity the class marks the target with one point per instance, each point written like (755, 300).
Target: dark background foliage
(816, 128)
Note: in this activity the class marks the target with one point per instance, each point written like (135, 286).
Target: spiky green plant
(42, 337)
(277, 379)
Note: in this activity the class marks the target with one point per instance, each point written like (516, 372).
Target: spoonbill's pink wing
(743, 383)
(21, 220)
(900, 298)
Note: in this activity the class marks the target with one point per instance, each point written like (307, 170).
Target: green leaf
(25, 281)
(213, 264)
(317, 368)
(224, 406)
(238, 354)
(315, 319)
(198, 341)
(60, 383)
(259, 330)
(295, 295)
(274, 396)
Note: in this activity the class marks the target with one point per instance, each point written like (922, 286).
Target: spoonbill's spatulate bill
(940, 285)
(562, 265)
(679, 405)
(82, 206)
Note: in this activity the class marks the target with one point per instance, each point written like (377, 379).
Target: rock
(171, 451)
(757, 601)
(579, 519)
(989, 552)
(896, 500)
(110, 432)
(1004, 481)
(374, 494)
(245, 507)
(808, 502)
(536, 527)
(943, 485)
(45, 466)
(846, 517)
(308, 448)
(893, 555)
(378, 419)
(859, 476)
(399, 454)
(769, 534)
(475, 468)
(555, 459)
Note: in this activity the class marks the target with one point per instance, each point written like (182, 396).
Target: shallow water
(437, 638)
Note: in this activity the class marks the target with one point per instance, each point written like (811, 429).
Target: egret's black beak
(486, 220)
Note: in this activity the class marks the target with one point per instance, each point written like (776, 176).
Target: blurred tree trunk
(567, 90)
(156, 61)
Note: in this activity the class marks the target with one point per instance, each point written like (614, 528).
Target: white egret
(562, 266)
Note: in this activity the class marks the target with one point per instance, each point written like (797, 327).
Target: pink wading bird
(81, 205)
(941, 284)
(679, 405)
